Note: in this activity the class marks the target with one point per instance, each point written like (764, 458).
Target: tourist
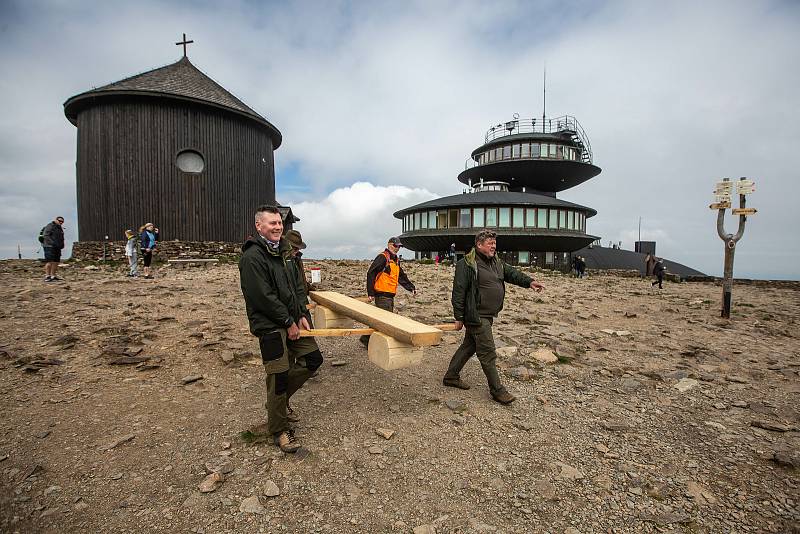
(649, 264)
(453, 253)
(478, 295)
(581, 266)
(383, 276)
(149, 235)
(295, 239)
(658, 271)
(275, 298)
(575, 270)
(53, 244)
(131, 253)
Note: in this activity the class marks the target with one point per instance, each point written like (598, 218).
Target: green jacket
(271, 285)
(466, 296)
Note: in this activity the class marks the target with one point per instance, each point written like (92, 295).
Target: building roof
(495, 198)
(598, 257)
(180, 80)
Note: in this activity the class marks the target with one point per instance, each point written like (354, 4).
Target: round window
(190, 161)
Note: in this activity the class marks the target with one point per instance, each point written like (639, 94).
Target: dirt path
(658, 416)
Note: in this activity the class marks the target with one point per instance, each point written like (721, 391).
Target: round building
(173, 147)
(512, 181)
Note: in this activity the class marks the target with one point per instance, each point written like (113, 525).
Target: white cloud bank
(354, 221)
(672, 99)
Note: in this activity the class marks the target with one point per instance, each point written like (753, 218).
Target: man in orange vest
(383, 277)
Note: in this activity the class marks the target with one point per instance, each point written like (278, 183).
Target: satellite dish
(516, 116)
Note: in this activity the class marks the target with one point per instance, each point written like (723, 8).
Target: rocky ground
(119, 397)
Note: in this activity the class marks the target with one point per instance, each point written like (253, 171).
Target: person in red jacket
(383, 277)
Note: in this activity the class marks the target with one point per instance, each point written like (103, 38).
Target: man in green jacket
(276, 308)
(478, 294)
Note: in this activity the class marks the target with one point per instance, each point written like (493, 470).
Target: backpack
(41, 234)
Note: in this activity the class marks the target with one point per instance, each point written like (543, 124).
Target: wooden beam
(336, 332)
(342, 332)
(401, 328)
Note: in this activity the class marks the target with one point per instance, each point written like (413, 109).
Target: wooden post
(389, 354)
(327, 318)
(745, 186)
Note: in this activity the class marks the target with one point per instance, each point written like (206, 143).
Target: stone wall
(115, 250)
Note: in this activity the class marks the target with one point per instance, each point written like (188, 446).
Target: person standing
(649, 265)
(53, 244)
(581, 266)
(275, 299)
(383, 277)
(658, 271)
(295, 239)
(478, 295)
(149, 236)
(453, 253)
(131, 253)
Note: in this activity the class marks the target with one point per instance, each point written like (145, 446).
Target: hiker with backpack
(52, 239)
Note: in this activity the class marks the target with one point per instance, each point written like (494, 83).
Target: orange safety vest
(387, 283)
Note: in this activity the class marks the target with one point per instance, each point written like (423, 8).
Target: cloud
(354, 221)
(672, 99)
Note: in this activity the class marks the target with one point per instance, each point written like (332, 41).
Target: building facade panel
(127, 169)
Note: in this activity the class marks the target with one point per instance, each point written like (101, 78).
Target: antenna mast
(544, 95)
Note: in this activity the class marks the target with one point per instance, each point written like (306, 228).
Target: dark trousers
(288, 364)
(660, 277)
(384, 303)
(477, 340)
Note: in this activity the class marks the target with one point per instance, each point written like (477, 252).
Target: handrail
(563, 124)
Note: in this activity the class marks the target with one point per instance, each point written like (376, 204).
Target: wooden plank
(720, 205)
(744, 211)
(341, 332)
(336, 332)
(401, 328)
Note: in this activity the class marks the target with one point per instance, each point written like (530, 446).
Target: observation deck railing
(564, 124)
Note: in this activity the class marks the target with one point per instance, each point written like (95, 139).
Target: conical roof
(181, 80)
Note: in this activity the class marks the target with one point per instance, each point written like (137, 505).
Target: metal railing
(564, 124)
(529, 155)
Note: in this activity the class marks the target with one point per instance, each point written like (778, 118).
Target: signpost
(722, 197)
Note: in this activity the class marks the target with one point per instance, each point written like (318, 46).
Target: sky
(381, 103)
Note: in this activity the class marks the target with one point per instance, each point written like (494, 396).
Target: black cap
(395, 241)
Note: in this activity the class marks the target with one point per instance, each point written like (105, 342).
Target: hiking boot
(455, 383)
(504, 397)
(286, 441)
(290, 415)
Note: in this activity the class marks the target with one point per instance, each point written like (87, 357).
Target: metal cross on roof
(184, 43)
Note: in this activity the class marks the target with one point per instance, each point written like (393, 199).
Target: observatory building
(512, 180)
(173, 147)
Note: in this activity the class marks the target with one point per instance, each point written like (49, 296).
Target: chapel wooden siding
(129, 136)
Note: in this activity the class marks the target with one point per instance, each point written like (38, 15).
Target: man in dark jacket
(658, 271)
(383, 277)
(276, 308)
(478, 295)
(53, 244)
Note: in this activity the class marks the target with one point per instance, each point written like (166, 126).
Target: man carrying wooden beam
(383, 277)
(276, 308)
(478, 295)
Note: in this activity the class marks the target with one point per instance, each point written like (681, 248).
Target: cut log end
(390, 354)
